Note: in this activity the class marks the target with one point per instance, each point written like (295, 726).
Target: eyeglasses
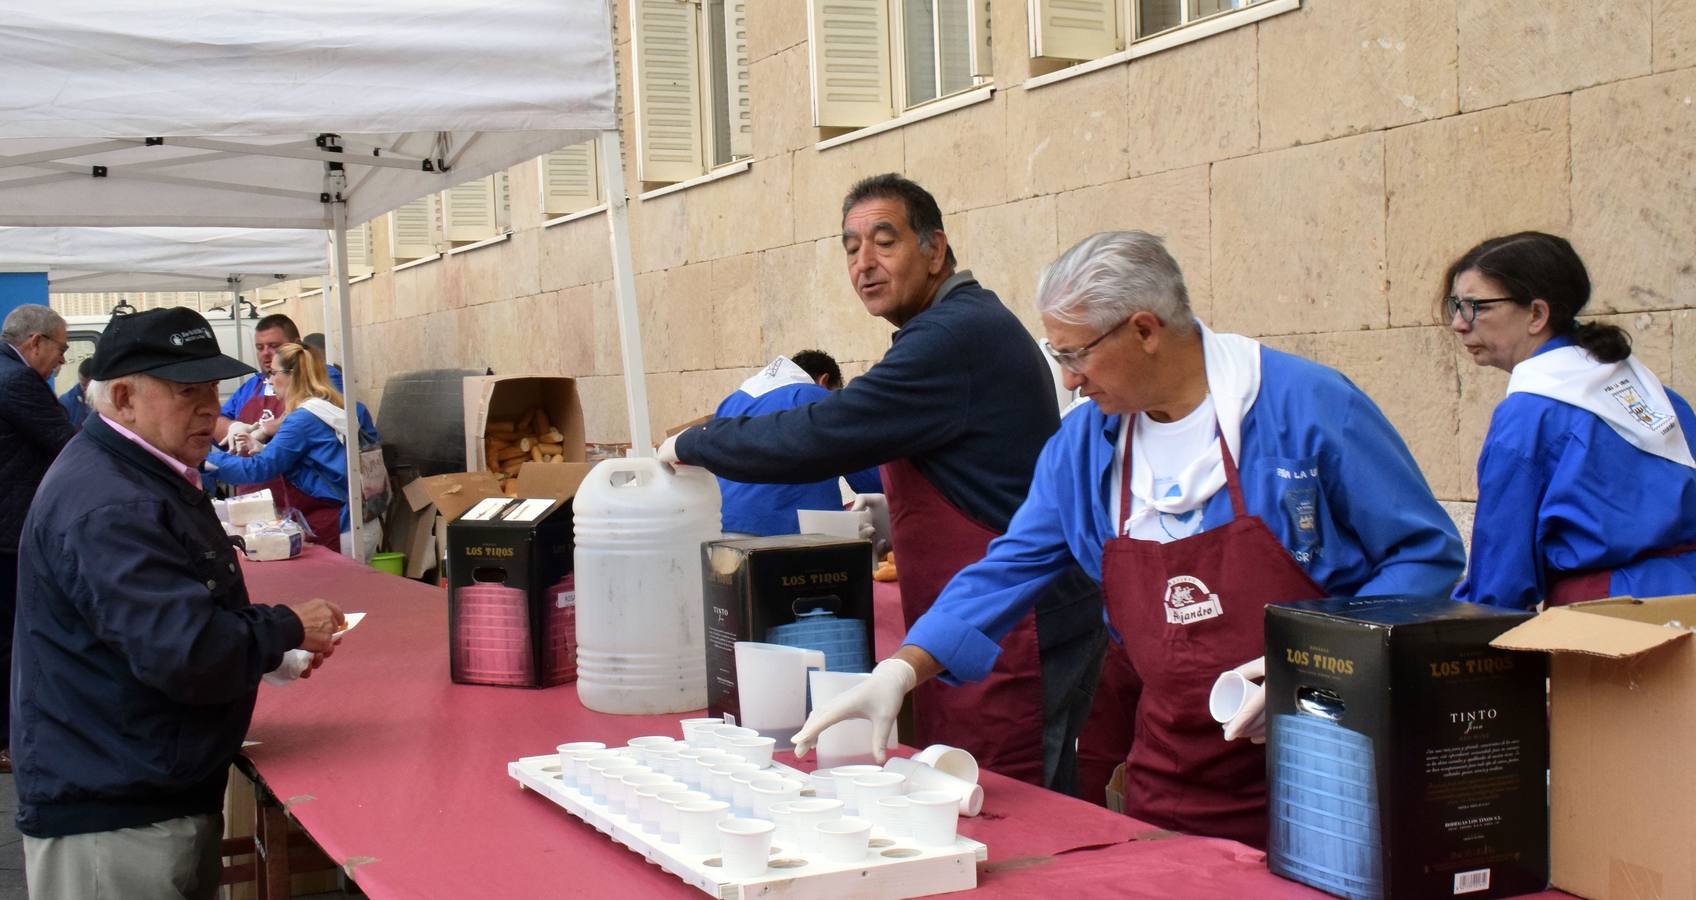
(63, 347)
(1468, 309)
(1073, 360)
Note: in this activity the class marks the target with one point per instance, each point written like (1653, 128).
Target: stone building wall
(1313, 173)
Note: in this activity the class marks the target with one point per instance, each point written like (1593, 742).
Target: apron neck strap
(1239, 508)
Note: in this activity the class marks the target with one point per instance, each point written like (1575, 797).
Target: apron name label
(1188, 600)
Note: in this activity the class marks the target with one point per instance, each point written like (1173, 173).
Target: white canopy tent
(309, 115)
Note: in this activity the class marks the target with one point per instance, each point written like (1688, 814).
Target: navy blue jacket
(33, 429)
(963, 393)
(137, 656)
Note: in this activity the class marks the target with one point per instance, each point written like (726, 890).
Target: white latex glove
(668, 450)
(878, 699)
(1250, 721)
(236, 433)
(880, 534)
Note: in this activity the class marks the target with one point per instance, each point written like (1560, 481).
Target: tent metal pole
(355, 545)
(624, 290)
(235, 314)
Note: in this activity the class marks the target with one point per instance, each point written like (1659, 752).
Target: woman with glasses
(1586, 486)
(1206, 477)
(307, 452)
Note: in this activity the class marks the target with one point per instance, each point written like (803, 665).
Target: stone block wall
(1313, 173)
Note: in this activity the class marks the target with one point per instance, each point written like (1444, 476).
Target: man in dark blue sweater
(138, 655)
(955, 413)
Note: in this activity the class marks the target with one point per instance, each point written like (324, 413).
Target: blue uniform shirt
(75, 402)
(1559, 490)
(305, 452)
(1319, 463)
(770, 508)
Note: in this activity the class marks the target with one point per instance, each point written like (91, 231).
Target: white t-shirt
(1168, 448)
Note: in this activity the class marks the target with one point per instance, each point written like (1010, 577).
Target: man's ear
(938, 251)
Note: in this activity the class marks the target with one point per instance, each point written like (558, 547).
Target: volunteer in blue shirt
(785, 383)
(955, 413)
(307, 456)
(75, 400)
(1209, 477)
(1586, 486)
(256, 408)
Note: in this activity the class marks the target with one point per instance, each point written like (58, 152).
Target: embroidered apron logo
(1625, 392)
(1188, 600)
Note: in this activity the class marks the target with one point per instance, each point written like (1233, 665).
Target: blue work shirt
(1560, 491)
(1319, 463)
(256, 383)
(305, 452)
(770, 508)
(75, 402)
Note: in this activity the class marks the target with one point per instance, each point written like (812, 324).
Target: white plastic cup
(950, 761)
(823, 785)
(719, 778)
(568, 757)
(742, 791)
(757, 750)
(697, 824)
(618, 794)
(809, 813)
(891, 815)
(843, 778)
(1231, 692)
(722, 733)
(845, 839)
(783, 816)
(580, 771)
(694, 730)
(648, 802)
(633, 783)
(650, 740)
(744, 846)
(934, 817)
(669, 802)
(662, 759)
(599, 786)
(921, 777)
(874, 786)
(771, 687)
(770, 790)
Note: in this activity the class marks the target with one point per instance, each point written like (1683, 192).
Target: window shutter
(983, 60)
(468, 211)
(668, 90)
(848, 41)
(1074, 29)
(736, 68)
(568, 180)
(412, 229)
(359, 250)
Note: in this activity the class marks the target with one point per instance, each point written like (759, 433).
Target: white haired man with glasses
(1208, 477)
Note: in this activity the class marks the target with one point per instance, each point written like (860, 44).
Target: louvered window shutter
(412, 229)
(736, 70)
(468, 211)
(568, 180)
(668, 90)
(359, 250)
(1074, 29)
(848, 42)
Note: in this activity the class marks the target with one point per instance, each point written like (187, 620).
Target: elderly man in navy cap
(138, 656)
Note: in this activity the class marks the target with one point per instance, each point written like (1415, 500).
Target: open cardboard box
(506, 397)
(1622, 721)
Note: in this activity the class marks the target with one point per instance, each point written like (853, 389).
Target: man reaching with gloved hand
(1207, 478)
(955, 414)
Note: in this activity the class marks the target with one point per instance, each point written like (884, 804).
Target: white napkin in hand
(294, 663)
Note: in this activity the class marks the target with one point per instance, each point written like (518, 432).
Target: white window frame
(672, 64)
(857, 64)
(1194, 30)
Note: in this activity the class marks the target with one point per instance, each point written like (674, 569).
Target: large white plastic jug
(641, 647)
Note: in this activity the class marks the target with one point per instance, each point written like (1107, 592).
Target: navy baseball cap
(175, 344)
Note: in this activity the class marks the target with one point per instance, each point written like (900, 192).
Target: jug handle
(641, 468)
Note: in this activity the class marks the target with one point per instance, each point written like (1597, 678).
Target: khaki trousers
(178, 859)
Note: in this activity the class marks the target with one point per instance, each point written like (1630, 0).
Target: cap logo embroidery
(193, 334)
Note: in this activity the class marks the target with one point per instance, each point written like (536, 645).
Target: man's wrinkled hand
(320, 619)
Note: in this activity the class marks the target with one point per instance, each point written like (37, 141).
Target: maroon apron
(324, 517)
(1596, 584)
(1107, 735)
(1187, 611)
(999, 719)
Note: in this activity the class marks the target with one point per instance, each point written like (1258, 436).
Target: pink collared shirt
(188, 474)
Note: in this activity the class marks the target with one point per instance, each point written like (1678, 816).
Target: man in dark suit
(33, 429)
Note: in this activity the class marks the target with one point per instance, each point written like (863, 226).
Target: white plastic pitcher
(771, 687)
(641, 647)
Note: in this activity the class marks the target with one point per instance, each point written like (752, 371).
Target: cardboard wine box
(1406, 757)
(512, 604)
(752, 586)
